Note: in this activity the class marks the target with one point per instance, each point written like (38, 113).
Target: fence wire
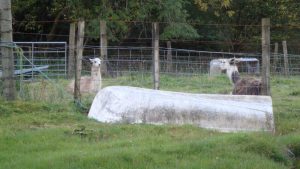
(180, 69)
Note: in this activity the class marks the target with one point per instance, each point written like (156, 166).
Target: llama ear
(91, 60)
(237, 60)
(232, 61)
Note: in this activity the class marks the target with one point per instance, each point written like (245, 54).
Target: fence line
(132, 57)
(133, 66)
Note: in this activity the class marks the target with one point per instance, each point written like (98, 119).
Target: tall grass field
(45, 130)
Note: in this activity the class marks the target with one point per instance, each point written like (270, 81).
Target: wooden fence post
(266, 56)
(285, 58)
(169, 57)
(78, 59)
(32, 61)
(275, 58)
(103, 48)
(71, 57)
(9, 87)
(155, 45)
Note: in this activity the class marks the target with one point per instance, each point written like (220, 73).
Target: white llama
(217, 66)
(241, 86)
(90, 84)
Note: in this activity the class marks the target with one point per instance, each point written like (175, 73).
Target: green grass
(201, 83)
(39, 134)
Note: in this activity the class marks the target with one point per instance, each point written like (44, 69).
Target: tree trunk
(53, 28)
(9, 88)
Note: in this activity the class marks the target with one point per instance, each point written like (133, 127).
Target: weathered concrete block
(121, 104)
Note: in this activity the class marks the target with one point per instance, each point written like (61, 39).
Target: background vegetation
(229, 25)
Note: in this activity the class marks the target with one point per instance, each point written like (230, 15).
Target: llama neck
(95, 72)
(96, 78)
(233, 74)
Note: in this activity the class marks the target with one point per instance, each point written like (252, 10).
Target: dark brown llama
(242, 86)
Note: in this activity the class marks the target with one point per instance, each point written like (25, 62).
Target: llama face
(96, 62)
(217, 66)
(224, 64)
(233, 61)
(228, 64)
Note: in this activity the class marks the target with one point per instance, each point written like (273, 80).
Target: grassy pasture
(52, 133)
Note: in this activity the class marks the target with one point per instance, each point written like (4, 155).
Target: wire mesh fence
(184, 67)
(36, 65)
(180, 69)
(289, 67)
(49, 57)
(172, 61)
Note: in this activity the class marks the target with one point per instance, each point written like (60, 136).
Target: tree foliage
(236, 22)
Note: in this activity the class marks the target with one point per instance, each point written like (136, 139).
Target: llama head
(95, 62)
(228, 64)
(223, 64)
(233, 61)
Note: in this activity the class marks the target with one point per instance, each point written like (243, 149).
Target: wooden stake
(71, 58)
(266, 56)
(275, 60)
(285, 58)
(169, 57)
(78, 60)
(103, 48)
(155, 45)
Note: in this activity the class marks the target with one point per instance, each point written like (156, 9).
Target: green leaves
(130, 20)
(177, 30)
(174, 15)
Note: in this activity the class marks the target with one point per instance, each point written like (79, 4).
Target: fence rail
(136, 59)
(133, 66)
(52, 54)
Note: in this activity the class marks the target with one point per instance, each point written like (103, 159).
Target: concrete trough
(226, 113)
